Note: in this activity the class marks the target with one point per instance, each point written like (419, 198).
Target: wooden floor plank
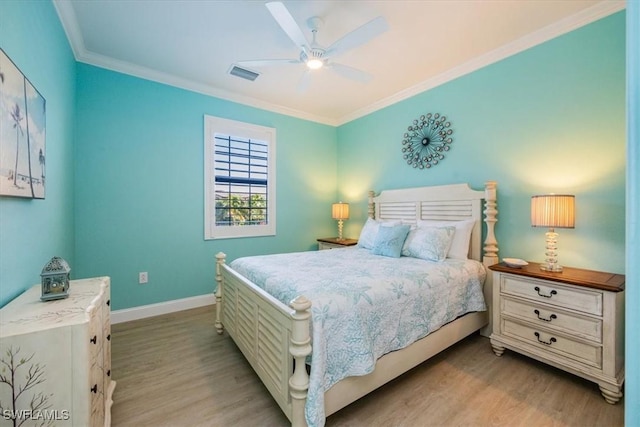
(175, 370)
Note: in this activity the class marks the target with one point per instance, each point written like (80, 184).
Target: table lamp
(340, 211)
(552, 211)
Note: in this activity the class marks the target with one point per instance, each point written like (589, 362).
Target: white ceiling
(193, 43)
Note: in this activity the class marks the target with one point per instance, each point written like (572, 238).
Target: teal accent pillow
(429, 243)
(389, 240)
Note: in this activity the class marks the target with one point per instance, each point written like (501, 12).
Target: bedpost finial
(300, 303)
(490, 190)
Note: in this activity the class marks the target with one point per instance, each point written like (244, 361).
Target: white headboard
(453, 202)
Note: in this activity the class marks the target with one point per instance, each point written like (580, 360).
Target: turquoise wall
(33, 231)
(632, 386)
(139, 186)
(549, 119)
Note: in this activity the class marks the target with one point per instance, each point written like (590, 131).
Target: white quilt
(364, 305)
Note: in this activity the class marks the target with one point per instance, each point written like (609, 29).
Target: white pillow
(430, 243)
(370, 231)
(460, 245)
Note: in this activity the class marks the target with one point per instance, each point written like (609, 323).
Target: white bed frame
(275, 337)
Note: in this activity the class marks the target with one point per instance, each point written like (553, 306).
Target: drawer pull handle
(109, 336)
(553, 316)
(109, 373)
(94, 389)
(108, 302)
(553, 292)
(94, 339)
(551, 341)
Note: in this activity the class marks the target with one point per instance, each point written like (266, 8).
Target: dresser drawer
(553, 318)
(553, 294)
(589, 354)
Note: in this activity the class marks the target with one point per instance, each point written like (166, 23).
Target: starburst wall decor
(426, 140)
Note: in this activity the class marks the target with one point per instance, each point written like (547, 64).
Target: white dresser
(573, 320)
(56, 357)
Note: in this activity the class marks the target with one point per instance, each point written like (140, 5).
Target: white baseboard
(142, 312)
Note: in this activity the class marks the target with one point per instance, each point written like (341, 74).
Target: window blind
(241, 180)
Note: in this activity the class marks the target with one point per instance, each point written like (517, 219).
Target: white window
(240, 184)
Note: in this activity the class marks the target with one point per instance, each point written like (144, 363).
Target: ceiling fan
(315, 56)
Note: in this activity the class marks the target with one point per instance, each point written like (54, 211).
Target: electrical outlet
(143, 277)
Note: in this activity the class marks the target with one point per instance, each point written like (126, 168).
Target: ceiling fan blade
(303, 84)
(359, 36)
(288, 24)
(266, 62)
(350, 73)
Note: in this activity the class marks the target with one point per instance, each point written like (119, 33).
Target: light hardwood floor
(174, 370)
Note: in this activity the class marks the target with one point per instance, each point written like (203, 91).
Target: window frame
(217, 125)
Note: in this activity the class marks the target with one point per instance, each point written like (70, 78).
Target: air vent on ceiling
(243, 73)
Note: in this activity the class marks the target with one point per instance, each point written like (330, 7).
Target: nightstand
(333, 243)
(573, 320)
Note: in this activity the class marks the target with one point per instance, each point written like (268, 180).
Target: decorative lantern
(55, 279)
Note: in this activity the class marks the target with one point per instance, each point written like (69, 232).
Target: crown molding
(71, 28)
(570, 23)
(69, 22)
(179, 82)
(70, 25)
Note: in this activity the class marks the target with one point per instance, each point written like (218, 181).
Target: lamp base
(551, 253)
(554, 268)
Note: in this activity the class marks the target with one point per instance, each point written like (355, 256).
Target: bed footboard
(273, 337)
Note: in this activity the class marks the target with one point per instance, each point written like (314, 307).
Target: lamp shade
(553, 211)
(340, 210)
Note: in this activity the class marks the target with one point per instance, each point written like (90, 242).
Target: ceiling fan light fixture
(313, 55)
(314, 64)
(313, 58)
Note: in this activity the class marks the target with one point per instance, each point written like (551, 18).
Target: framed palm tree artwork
(22, 134)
